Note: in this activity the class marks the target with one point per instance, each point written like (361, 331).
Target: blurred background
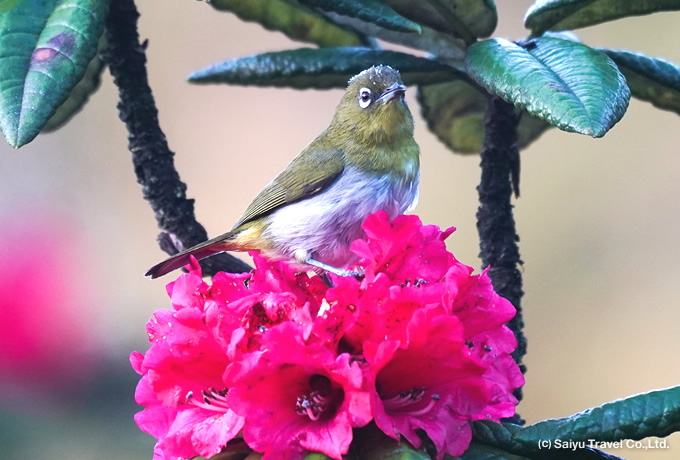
(598, 221)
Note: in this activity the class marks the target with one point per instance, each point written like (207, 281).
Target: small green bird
(365, 161)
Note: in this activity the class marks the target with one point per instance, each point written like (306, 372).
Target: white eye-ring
(365, 97)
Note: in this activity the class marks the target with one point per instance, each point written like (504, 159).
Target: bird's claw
(359, 273)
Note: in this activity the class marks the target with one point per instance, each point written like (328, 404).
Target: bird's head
(373, 110)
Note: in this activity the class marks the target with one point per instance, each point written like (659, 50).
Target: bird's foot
(358, 273)
(336, 271)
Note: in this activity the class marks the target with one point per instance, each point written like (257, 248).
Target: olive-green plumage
(365, 161)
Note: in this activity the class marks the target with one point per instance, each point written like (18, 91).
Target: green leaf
(650, 79)
(45, 46)
(495, 434)
(80, 93)
(503, 438)
(467, 19)
(529, 129)
(573, 14)
(434, 42)
(565, 83)
(454, 112)
(320, 68)
(371, 443)
(296, 21)
(650, 414)
(373, 11)
(393, 451)
(478, 451)
(6, 5)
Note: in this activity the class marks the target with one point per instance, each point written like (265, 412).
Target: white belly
(324, 225)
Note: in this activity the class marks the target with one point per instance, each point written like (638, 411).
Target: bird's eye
(365, 97)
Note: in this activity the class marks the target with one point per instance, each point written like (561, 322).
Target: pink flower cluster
(291, 366)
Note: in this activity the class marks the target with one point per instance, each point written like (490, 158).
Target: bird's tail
(200, 251)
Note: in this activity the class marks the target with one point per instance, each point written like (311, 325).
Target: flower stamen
(214, 400)
(406, 402)
(321, 400)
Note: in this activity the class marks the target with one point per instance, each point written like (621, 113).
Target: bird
(365, 161)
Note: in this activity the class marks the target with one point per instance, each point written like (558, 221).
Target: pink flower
(428, 381)
(297, 396)
(275, 293)
(418, 344)
(187, 431)
(182, 386)
(47, 331)
(404, 249)
(483, 314)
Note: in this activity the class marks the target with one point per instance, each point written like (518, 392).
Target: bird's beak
(393, 92)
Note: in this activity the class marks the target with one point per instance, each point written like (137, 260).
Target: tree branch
(151, 156)
(495, 222)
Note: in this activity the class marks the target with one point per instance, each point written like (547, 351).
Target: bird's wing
(308, 174)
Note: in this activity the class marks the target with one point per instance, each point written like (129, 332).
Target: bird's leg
(303, 257)
(332, 269)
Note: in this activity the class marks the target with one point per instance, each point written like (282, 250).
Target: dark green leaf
(296, 21)
(495, 434)
(433, 41)
(393, 451)
(45, 46)
(491, 438)
(564, 35)
(529, 129)
(565, 83)
(320, 68)
(573, 14)
(6, 5)
(430, 40)
(371, 443)
(502, 436)
(454, 111)
(650, 414)
(373, 11)
(80, 93)
(478, 451)
(458, 121)
(466, 19)
(650, 79)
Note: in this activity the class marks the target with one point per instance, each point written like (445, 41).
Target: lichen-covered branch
(151, 156)
(495, 222)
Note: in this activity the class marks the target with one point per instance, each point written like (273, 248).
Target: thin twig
(151, 156)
